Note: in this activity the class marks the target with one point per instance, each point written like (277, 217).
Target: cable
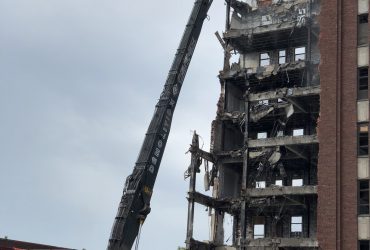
(138, 237)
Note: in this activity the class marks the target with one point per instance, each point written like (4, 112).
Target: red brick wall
(337, 169)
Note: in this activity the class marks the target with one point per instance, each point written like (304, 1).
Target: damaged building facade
(289, 146)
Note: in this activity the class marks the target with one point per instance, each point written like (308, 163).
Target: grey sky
(78, 83)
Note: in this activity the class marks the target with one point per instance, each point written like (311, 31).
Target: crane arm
(135, 202)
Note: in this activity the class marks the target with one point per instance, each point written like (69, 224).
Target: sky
(79, 80)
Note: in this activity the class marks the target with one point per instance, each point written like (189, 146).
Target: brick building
(289, 145)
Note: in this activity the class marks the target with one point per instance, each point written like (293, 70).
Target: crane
(135, 202)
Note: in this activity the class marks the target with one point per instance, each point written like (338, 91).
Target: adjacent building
(289, 146)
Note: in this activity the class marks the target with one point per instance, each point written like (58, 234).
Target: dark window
(363, 139)
(362, 82)
(363, 201)
(364, 245)
(362, 34)
(264, 59)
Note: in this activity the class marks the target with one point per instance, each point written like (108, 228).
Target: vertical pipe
(227, 24)
(244, 177)
(193, 170)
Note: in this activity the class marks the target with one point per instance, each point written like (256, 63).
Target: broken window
(300, 53)
(260, 184)
(264, 59)
(298, 132)
(364, 245)
(279, 183)
(262, 135)
(363, 139)
(297, 182)
(296, 225)
(266, 20)
(363, 201)
(362, 83)
(362, 26)
(259, 227)
(282, 56)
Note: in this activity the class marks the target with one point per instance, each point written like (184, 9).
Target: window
(280, 133)
(266, 20)
(259, 227)
(279, 183)
(263, 102)
(298, 132)
(363, 139)
(363, 201)
(362, 83)
(300, 53)
(264, 59)
(260, 184)
(364, 245)
(362, 29)
(297, 182)
(282, 56)
(262, 135)
(296, 226)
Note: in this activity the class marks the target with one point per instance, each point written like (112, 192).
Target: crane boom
(135, 202)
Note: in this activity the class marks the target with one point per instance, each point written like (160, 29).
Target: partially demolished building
(287, 165)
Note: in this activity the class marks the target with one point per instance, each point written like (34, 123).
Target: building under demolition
(289, 146)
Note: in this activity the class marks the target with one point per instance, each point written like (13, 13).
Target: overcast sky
(78, 83)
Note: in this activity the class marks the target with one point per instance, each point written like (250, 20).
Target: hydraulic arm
(135, 201)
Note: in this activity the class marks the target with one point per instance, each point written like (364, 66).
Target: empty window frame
(266, 20)
(364, 245)
(297, 182)
(300, 54)
(296, 225)
(298, 132)
(362, 32)
(260, 184)
(362, 83)
(259, 227)
(363, 197)
(279, 183)
(282, 56)
(363, 139)
(262, 135)
(265, 59)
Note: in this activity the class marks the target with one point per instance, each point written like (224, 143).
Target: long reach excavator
(135, 202)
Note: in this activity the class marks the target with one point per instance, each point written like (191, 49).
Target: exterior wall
(337, 173)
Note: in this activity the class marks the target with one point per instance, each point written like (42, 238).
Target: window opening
(300, 53)
(297, 182)
(362, 83)
(266, 20)
(280, 133)
(259, 228)
(260, 184)
(363, 139)
(363, 202)
(296, 226)
(279, 183)
(264, 59)
(362, 30)
(262, 135)
(282, 56)
(298, 132)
